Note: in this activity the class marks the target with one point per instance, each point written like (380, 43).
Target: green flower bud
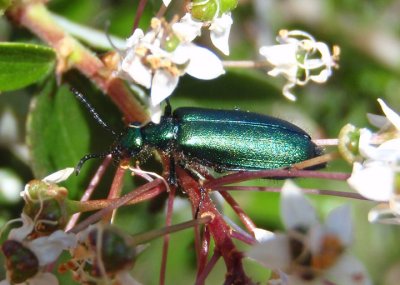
(227, 5)
(45, 204)
(171, 43)
(349, 137)
(204, 10)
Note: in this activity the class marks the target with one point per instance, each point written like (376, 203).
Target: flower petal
(134, 39)
(296, 210)
(280, 55)
(59, 176)
(203, 63)
(322, 77)
(272, 253)
(348, 270)
(47, 249)
(339, 223)
(383, 214)
(166, 2)
(219, 32)
(164, 83)
(155, 113)
(378, 121)
(262, 235)
(22, 232)
(393, 117)
(287, 93)
(132, 66)
(374, 182)
(187, 29)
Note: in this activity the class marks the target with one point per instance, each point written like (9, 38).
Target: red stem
(246, 238)
(139, 13)
(71, 54)
(205, 247)
(210, 265)
(116, 188)
(168, 221)
(344, 194)
(116, 204)
(90, 189)
(274, 173)
(248, 223)
(218, 228)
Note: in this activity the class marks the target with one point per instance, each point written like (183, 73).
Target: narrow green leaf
(23, 64)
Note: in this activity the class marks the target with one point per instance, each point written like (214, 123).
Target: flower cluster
(310, 252)
(37, 244)
(158, 58)
(376, 168)
(300, 59)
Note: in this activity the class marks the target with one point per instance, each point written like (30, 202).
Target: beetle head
(128, 144)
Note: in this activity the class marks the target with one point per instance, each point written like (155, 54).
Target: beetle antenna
(92, 111)
(87, 157)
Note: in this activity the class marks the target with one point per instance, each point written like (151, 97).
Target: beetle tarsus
(200, 205)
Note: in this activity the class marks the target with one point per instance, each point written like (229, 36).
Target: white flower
(299, 58)
(375, 176)
(188, 29)
(147, 61)
(310, 253)
(220, 29)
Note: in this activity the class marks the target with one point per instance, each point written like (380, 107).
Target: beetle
(223, 140)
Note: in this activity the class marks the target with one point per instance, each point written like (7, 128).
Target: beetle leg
(172, 178)
(200, 178)
(167, 109)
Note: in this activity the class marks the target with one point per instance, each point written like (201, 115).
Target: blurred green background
(62, 131)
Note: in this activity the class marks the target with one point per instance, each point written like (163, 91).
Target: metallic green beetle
(224, 140)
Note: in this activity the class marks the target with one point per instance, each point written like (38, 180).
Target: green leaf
(23, 64)
(4, 4)
(58, 134)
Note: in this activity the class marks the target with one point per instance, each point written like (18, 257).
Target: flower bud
(204, 10)
(117, 252)
(21, 263)
(45, 205)
(227, 5)
(349, 137)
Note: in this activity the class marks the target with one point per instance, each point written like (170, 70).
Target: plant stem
(34, 16)
(147, 236)
(90, 189)
(114, 204)
(245, 64)
(273, 173)
(343, 194)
